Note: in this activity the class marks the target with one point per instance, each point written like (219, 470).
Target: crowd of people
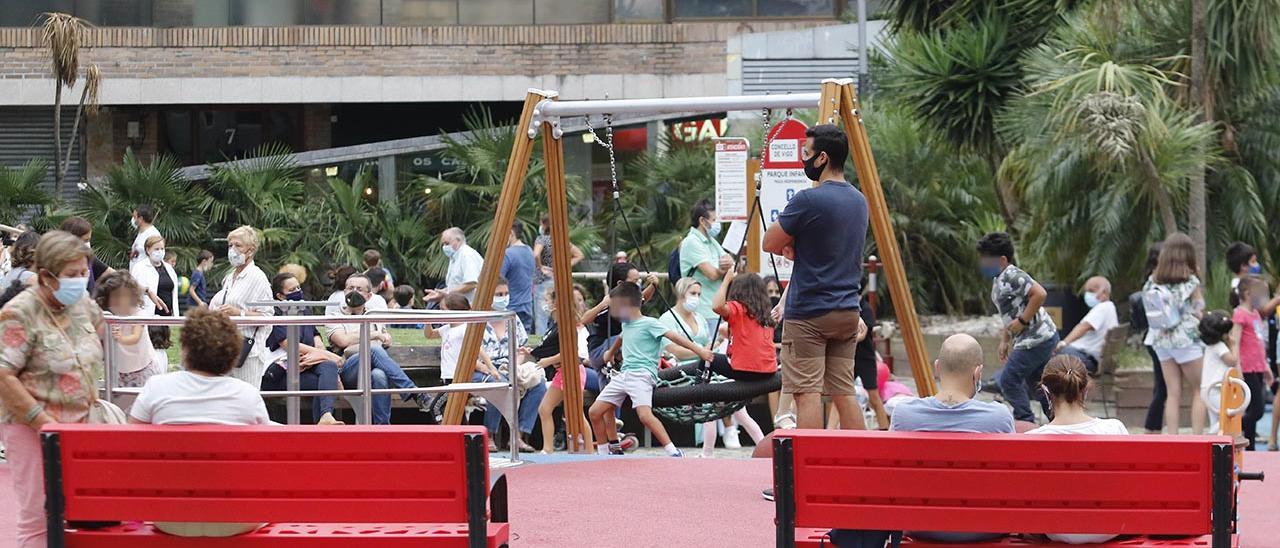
(813, 333)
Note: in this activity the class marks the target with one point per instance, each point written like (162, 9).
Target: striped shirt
(250, 285)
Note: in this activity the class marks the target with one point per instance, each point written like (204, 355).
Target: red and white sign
(781, 177)
(694, 131)
(731, 178)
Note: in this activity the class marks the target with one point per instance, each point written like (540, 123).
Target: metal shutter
(793, 75)
(27, 132)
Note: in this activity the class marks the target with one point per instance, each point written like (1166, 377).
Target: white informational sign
(777, 186)
(784, 150)
(731, 179)
(733, 238)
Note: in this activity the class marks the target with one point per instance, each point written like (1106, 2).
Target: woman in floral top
(50, 354)
(1178, 348)
(496, 346)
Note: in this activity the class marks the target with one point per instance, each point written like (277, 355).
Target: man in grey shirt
(954, 409)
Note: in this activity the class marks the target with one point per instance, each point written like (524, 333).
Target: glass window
(343, 12)
(26, 13)
(638, 11)
(115, 13)
(712, 8)
(796, 8)
(553, 12)
(191, 13)
(419, 12)
(495, 12)
(266, 13)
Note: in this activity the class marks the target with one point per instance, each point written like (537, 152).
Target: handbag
(528, 375)
(104, 412)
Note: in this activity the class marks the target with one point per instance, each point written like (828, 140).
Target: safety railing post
(291, 331)
(366, 374)
(514, 422)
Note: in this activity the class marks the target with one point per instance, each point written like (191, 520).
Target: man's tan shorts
(817, 354)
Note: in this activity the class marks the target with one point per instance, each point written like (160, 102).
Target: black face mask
(355, 300)
(775, 300)
(811, 170)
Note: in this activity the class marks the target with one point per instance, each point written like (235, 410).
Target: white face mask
(235, 256)
(157, 255)
(691, 303)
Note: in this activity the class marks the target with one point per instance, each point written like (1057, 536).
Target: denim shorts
(1186, 354)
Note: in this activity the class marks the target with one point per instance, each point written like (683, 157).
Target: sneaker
(785, 421)
(731, 440)
(679, 454)
(629, 443)
(616, 449)
(767, 494)
(424, 403)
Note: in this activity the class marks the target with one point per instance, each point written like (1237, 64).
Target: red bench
(1149, 485)
(316, 486)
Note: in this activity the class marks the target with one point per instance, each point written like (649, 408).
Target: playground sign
(781, 177)
(731, 179)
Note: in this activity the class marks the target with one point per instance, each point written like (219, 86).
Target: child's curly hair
(116, 281)
(210, 342)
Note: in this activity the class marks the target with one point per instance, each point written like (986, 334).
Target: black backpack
(673, 267)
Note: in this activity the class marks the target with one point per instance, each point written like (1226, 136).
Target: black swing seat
(681, 397)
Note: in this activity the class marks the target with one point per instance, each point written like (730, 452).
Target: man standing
(1088, 337)
(1029, 335)
(517, 269)
(701, 255)
(143, 216)
(823, 229)
(465, 264)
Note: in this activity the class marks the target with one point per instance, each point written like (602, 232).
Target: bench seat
(815, 538)
(320, 535)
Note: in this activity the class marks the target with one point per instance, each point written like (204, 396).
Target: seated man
(345, 338)
(954, 409)
(1088, 337)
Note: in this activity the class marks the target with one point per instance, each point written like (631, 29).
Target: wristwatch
(1024, 323)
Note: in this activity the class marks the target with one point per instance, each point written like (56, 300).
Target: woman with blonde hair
(50, 354)
(1174, 302)
(244, 284)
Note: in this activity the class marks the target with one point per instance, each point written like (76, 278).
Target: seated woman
(317, 367)
(1065, 382)
(202, 393)
(496, 352)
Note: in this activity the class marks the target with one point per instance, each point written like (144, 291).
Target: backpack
(1162, 307)
(1137, 314)
(673, 267)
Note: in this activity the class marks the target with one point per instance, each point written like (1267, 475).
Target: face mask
(295, 295)
(133, 222)
(235, 256)
(713, 230)
(500, 303)
(89, 245)
(774, 300)
(1091, 299)
(811, 170)
(448, 250)
(691, 304)
(1255, 269)
(71, 290)
(355, 300)
(157, 255)
(990, 271)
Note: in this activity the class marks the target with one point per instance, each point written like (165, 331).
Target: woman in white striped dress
(246, 283)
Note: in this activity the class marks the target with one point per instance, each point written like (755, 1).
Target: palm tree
(63, 34)
(20, 191)
(266, 192)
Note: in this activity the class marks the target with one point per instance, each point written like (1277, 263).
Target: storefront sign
(698, 130)
(731, 178)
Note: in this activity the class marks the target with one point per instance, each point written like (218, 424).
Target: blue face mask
(713, 230)
(990, 271)
(296, 295)
(500, 303)
(71, 290)
(1255, 269)
(448, 250)
(1091, 299)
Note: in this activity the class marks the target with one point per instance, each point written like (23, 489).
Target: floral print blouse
(58, 366)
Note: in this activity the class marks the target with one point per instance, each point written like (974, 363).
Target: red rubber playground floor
(569, 502)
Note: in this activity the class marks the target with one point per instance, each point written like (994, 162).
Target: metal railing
(293, 323)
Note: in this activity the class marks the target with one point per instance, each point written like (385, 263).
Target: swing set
(542, 112)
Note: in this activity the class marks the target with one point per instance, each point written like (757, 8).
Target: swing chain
(607, 145)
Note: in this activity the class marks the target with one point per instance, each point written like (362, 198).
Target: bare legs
(1175, 376)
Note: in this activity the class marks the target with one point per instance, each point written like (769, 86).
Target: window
(26, 13)
(495, 12)
(204, 136)
(266, 13)
(638, 11)
(795, 8)
(703, 9)
(343, 12)
(560, 12)
(419, 12)
(115, 13)
(191, 13)
(712, 8)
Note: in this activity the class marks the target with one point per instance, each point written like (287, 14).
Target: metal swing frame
(837, 103)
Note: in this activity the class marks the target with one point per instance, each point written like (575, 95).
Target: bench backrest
(348, 474)
(1000, 482)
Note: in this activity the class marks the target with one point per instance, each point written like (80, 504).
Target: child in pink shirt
(1252, 293)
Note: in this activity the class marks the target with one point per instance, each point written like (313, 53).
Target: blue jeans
(1021, 377)
(321, 376)
(528, 412)
(1090, 362)
(386, 373)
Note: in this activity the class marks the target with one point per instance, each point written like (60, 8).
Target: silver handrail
(366, 390)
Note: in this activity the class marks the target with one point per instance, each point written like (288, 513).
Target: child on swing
(641, 344)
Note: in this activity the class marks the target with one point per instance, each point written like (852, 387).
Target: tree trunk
(1005, 197)
(1164, 204)
(57, 138)
(1201, 101)
(75, 131)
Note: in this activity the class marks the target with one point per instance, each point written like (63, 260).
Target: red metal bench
(1149, 485)
(316, 486)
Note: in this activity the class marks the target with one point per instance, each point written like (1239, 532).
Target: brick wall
(317, 132)
(690, 48)
(108, 138)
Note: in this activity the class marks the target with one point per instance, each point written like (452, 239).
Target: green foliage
(658, 201)
(21, 192)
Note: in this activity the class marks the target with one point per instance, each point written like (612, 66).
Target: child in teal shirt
(641, 344)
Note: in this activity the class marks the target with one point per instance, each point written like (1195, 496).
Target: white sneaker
(731, 440)
(785, 421)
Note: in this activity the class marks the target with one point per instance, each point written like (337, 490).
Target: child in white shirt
(118, 294)
(1221, 352)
